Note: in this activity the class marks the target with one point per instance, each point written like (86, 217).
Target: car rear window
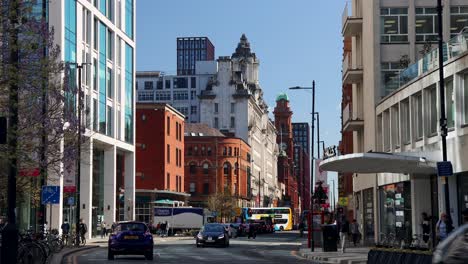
(137, 227)
(213, 228)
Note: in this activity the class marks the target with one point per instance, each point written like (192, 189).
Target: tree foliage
(223, 203)
(48, 122)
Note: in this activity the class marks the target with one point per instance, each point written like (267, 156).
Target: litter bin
(329, 238)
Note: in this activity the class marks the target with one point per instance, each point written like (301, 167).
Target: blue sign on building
(444, 168)
(50, 194)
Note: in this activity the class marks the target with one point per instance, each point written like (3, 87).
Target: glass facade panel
(129, 18)
(70, 51)
(394, 25)
(98, 191)
(128, 93)
(102, 77)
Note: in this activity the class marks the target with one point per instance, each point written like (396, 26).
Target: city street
(281, 247)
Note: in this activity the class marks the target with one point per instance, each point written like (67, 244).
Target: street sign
(71, 201)
(50, 194)
(444, 168)
(343, 201)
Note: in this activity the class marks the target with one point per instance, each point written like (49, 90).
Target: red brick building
(215, 162)
(283, 124)
(159, 153)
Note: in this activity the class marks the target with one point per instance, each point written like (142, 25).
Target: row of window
(394, 23)
(177, 83)
(164, 96)
(206, 188)
(418, 115)
(227, 168)
(178, 157)
(233, 108)
(232, 123)
(191, 43)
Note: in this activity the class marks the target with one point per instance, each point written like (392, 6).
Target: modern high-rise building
(301, 135)
(301, 139)
(100, 36)
(190, 50)
(392, 100)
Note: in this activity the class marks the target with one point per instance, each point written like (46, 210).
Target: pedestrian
(355, 232)
(454, 248)
(301, 229)
(163, 229)
(158, 227)
(344, 230)
(83, 228)
(114, 224)
(252, 230)
(103, 229)
(65, 227)
(46, 228)
(443, 227)
(426, 226)
(168, 225)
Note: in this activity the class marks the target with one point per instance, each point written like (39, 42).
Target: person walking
(168, 225)
(355, 232)
(344, 230)
(443, 227)
(426, 226)
(103, 229)
(158, 228)
(83, 230)
(252, 231)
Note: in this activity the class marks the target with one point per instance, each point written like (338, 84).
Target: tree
(223, 203)
(47, 127)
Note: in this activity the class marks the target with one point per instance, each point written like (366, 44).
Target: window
(432, 107)
(180, 82)
(177, 130)
(192, 187)
(230, 151)
(178, 96)
(233, 108)
(193, 82)
(109, 121)
(195, 149)
(145, 96)
(95, 115)
(95, 74)
(110, 45)
(236, 168)
(208, 151)
(203, 150)
(88, 111)
(224, 151)
(395, 115)
(394, 25)
(206, 188)
(163, 96)
(205, 168)
(379, 133)
(168, 181)
(189, 152)
(426, 24)
(193, 109)
(458, 19)
(417, 116)
(148, 85)
(193, 168)
(226, 169)
(386, 131)
(177, 157)
(465, 97)
(110, 81)
(129, 18)
(183, 110)
(216, 108)
(405, 122)
(233, 122)
(168, 153)
(216, 125)
(449, 103)
(390, 76)
(159, 85)
(168, 126)
(168, 84)
(193, 94)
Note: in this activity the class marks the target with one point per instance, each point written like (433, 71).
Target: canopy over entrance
(379, 163)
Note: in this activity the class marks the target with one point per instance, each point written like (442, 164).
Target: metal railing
(451, 49)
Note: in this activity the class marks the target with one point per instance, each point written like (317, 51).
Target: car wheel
(110, 255)
(149, 256)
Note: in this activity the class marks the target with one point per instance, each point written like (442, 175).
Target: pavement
(352, 255)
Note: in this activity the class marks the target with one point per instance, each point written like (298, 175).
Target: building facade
(179, 91)
(286, 166)
(391, 46)
(232, 99)
(190, 50)
(216, 163)
(101, 34)
(301, 139)
(160, 157)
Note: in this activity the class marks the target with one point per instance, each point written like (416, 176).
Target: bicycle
(82, 240)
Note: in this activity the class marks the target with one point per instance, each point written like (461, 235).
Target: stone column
(129, 179)
(110, 181)
(86, 187)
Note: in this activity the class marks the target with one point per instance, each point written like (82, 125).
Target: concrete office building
(181, 92)
(101, 33)
(386, 38)
(233, 103)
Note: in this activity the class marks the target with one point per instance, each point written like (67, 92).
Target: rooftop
(201, 130)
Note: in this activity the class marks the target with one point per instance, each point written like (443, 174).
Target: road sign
(50, 194)
(444, 168)
(71, 201)
(343, 201)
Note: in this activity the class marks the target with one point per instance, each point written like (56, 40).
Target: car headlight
(221, 236)
(199, 236)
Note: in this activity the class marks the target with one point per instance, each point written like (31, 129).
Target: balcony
(351, 25)
(207, 94)
(351, 122)
(351, 73)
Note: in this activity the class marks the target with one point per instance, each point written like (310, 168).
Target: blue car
(131, 238)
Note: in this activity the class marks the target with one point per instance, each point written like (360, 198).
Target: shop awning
(164, 201)
(379, 163)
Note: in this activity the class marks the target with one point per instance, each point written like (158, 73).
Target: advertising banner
(69, 174)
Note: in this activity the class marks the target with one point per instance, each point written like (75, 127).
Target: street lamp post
(334, 205)
(443, 119)
(310, 233)
(318, 134)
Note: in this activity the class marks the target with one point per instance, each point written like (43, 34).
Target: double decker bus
(281, 217)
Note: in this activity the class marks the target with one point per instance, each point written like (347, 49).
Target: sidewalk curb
(58, 258)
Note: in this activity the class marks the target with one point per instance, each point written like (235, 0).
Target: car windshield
(213, 228)
(137, 227)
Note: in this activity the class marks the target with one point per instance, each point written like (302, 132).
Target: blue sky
(296, 41)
